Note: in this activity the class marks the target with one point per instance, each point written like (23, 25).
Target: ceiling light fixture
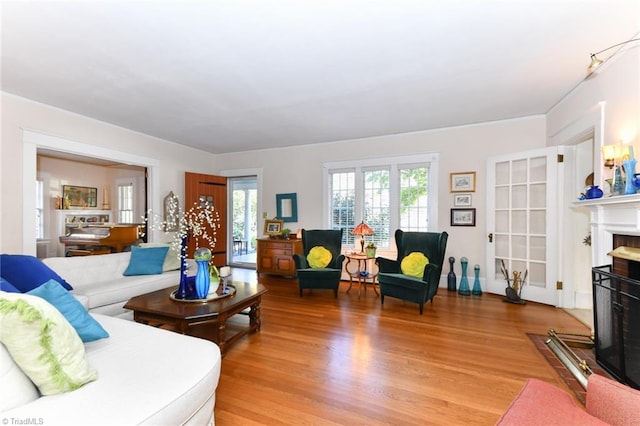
(596, 62)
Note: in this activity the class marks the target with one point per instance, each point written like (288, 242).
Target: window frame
(394, 164)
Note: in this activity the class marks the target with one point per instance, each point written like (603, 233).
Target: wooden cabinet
(276, 256)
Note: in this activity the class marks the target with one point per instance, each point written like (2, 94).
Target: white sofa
(99, 280)
(145, 376)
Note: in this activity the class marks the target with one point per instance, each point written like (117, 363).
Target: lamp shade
(362, 229)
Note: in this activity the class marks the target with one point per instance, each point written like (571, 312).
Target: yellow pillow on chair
(413, 264)
(319, 257)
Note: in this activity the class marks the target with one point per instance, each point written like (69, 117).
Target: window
(386, 194)
(343, 204)
(125, 203)
(414, 199)
(39, 209)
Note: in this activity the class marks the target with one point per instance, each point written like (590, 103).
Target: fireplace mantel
(609, 201)
(609, 216)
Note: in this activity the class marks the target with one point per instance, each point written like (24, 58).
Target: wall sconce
(609, 154)
(596, 62)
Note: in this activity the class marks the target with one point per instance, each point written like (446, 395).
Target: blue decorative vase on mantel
(594, 192)
(629, 171)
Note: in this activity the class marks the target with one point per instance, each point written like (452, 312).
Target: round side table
(357, 267)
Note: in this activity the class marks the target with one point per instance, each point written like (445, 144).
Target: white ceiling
(238, 75)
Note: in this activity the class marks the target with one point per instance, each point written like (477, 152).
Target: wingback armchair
(407, 277)
(320, 265)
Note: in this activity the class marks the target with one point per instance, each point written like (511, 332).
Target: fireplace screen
(616, 308)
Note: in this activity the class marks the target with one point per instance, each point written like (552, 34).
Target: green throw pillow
(319, 257)
(413, 264)
(43, 343)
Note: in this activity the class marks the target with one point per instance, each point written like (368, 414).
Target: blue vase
(477, 290)
(464, 282)
(594, 192)
(629, 171)
(182, 292)
(618, 185)
(203, 279)
(451, 276)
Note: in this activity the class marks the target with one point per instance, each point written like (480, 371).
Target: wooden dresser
(276, 256)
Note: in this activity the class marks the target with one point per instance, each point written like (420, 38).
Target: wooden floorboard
(320, 360)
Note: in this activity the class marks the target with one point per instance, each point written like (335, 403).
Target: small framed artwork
(462, 200)
(463, 217)
(462, 182)
(79, 196)
(273, 227)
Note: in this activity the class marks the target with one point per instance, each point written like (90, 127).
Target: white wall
(465, 148)
(20, 114)
(615, 90)
(298, 169)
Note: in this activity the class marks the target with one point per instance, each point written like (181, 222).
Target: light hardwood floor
(319, 360)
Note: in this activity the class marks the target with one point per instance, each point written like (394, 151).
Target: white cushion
(15, 387)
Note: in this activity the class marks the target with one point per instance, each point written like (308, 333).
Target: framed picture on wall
(462, 182)
(463, 217)
(462, 200)
(79, 196)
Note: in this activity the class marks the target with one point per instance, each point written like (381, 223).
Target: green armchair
(423, 284)
(320, 265)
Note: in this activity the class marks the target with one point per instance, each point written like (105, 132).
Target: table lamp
(362, 229)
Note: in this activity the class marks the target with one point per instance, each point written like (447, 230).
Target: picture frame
(462, 200)
(463, 217)
(462, 182)
(79, 196)
(273, 227)
(287, 207)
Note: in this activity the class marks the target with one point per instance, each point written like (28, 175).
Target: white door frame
(589, 125)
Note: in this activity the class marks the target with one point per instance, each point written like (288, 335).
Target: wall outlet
(264, 215)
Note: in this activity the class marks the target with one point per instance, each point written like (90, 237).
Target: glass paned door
(521, 223)
(244, 229)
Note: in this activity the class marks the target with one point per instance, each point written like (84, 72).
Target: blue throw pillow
(87, 328)
(146, 261)
(27, 272)
(7, 286)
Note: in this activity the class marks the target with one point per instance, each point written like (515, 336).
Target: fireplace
(616, 309)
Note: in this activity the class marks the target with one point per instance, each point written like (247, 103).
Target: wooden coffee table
(209, 320)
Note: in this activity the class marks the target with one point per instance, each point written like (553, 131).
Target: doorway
(243, 202)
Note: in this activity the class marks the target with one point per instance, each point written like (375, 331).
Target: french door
(522, 222)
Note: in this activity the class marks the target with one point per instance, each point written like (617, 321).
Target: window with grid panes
(386, 196)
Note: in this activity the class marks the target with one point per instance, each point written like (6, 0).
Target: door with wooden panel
(199, 188)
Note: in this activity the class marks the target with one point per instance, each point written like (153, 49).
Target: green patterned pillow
(319, 257)
(413, 264)
(43, 343)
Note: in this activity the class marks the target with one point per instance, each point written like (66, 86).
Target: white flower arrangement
(201, 222)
